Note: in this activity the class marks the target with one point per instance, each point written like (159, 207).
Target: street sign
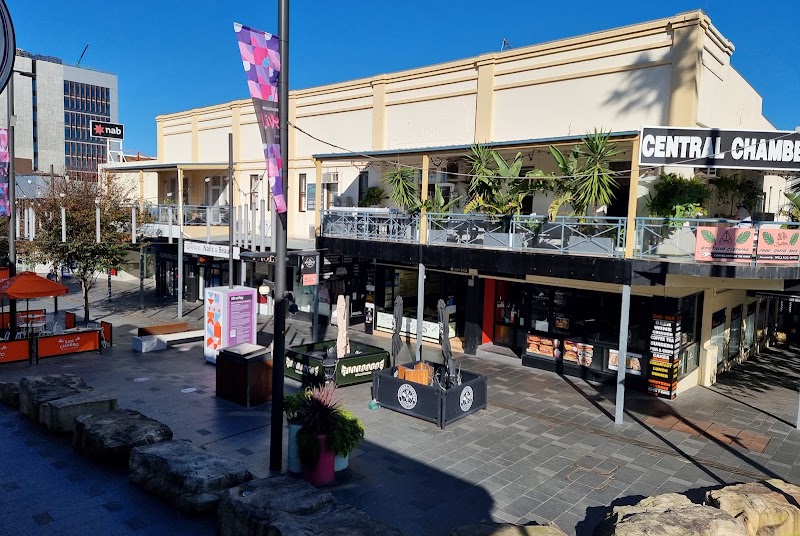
(101, 129)
(8, 45)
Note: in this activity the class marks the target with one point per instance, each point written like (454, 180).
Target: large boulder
(110, 436)
(36, 390)
(9, 394)
(506, 529)
(284, 506)
(768, 508)
(670, 514)
(186, 476)
(59, 415)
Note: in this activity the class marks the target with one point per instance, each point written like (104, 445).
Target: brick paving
(546, 449)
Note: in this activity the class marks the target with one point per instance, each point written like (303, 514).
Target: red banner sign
(732, 244)
(67, 343)
(778, 246)
(11, 351)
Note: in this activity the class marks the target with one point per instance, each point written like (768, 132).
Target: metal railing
(676, 239)
(599, 236)
(364, 225)
(192, 214)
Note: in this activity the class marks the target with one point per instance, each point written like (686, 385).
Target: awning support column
(633, 192)
(623, 353)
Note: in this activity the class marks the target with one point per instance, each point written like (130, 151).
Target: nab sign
(101, 129)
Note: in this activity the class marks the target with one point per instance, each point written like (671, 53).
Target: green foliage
(375, 195)
(435, 204)
(348, 434)
(81, 251)
(674, 196)
(291, 405)
(402, 185)
(737, 190)
(792, 211)
(588, 179)
(496, 187)
(318, 414)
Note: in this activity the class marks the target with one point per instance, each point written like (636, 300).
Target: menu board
(579, 353)
(543, 346)
(633, 362)
(665, 344)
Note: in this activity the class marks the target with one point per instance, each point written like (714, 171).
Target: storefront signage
(633, 362)
(665, 344)
(715, 148)
(311, 197)
(205, 249)
(55, 345)
(296, 369)
(102, 129)
(777, 246)
(724, 243)
(430, 330)
(364, 368)
(308, 269)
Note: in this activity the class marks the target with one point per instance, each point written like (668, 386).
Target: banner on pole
(262, 65)
(5, 162)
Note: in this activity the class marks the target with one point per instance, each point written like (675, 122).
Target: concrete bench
(153, 343)
(162, 329)
(59, 415)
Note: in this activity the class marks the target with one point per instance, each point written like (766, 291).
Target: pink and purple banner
(5, 162)
(262, 65)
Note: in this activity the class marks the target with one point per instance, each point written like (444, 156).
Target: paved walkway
(546, 449)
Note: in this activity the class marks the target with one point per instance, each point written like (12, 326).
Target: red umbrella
(27, 285)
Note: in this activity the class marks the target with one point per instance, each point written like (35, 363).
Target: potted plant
(676, 197)
(347, 435)
(318, 415)
(291, 404)
(373, 196)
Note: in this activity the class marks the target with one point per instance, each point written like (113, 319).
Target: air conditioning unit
(709, 173)
(331, 177)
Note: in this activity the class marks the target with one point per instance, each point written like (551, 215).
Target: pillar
(623, 353)
(633, 194)
(318, 198)
(423, 195)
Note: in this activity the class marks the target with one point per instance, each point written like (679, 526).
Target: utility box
(244, 374)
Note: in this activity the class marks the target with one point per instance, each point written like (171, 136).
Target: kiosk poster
(241, 318)
(633, 362)
(724, 243)
(775, 246)
(665, 344)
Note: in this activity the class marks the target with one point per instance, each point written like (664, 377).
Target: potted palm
(291, 405)
(347, 435)
(318, 414)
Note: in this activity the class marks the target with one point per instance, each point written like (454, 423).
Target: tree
(496, 187)
(81, 252)
(588, 179)
(402, 185)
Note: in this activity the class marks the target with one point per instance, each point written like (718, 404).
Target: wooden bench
(162, 329)
(153, 343)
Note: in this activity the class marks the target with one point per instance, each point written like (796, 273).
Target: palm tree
(588, 179)
(402, 185)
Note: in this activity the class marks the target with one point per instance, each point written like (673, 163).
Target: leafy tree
(496, 187)
(436, 204)
(81, 252)
(589, 181)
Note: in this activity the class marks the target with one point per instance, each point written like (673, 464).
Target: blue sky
(175, 55)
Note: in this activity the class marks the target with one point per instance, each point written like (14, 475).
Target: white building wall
(50, 116)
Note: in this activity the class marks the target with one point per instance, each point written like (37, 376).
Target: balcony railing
(366, 225)
(193, 214)
(676, 239)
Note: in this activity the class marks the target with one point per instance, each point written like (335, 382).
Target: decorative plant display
(675, 196)
(374, 195)
(737, 191)
(348, 433)
(588, 181)
(496, 187)
(402, 185)
(291, 405)
(318, 415)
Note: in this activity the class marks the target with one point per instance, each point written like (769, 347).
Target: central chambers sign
(714, 148)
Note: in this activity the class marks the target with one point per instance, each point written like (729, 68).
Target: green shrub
(673, 194)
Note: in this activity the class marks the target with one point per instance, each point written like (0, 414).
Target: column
(423, 195)
(180, 243)
(633, 193)
(420, 307)
(623, 353)
(318, 198)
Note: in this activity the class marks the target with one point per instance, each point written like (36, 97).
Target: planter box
(595, 246)
(429, 403)
(304, 363)
(679, 242)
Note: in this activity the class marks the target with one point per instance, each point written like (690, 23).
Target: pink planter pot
(322, 474)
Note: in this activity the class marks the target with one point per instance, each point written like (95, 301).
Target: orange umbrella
(27, 285)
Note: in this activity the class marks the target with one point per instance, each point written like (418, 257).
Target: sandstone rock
(186, 476)
(768, 508)
(111, 436)
(9, 394)
(670, 514)
(36, 390)
(290, 507)
(506, 529)
(59, 415)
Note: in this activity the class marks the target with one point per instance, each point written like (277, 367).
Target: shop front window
(736, 332)
(718, 334)
(750, 326)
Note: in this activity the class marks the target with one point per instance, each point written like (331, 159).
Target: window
(303, 192)
(750, 326)
(363, 184)
(736, 332)
(718, 333)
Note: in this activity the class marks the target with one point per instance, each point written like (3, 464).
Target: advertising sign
(67, 343)
(543, 346)
(633, 362)
(724, 243)
(777, 246)
(5, 161)
(11, 351)
(262, 64)
(241, 318)
(578, 352)
(230, 319)
(308, 269)
(103, 129)
(219, 251)
(715, 148)
(665, 344)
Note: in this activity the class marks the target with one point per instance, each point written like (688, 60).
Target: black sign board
(330, 260)
(715, 148)
(665, 345)
(308, 264)
(101, 129)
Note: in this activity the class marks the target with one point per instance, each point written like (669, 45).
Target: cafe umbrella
(444, 336)
(342, 340)
(397, 344)
(27, 285)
